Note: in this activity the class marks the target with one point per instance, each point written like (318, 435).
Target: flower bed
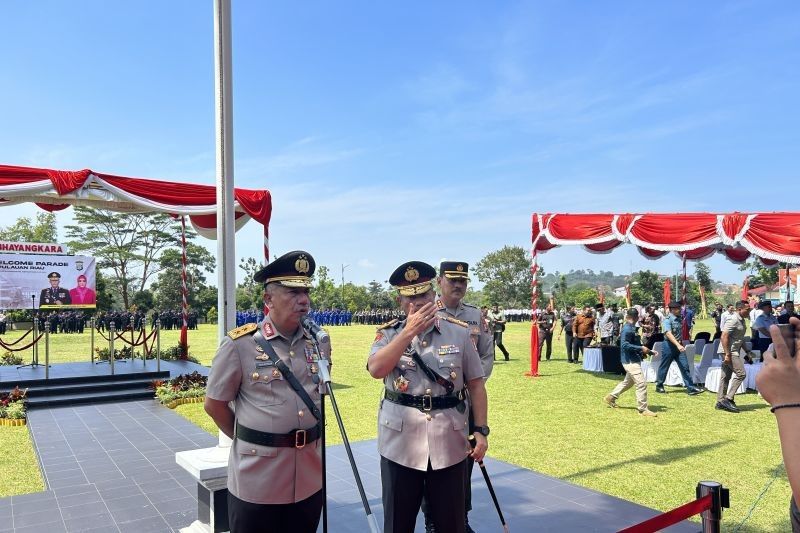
(186, 388)
(10, 359)
(12, 407)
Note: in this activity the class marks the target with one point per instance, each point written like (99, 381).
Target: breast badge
(255, 375)
(276, 373)
(453, 375)
(401, 384)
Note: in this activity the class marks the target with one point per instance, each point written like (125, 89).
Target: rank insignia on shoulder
(392, 323)
(268, 330)
(439, 304)
(378, 336)
(242, 330)
(456, 321)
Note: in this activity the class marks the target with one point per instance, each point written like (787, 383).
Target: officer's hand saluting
(421, 318)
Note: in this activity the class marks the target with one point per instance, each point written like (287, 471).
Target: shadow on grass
(753, 407)
(340, 386)
(661, 457)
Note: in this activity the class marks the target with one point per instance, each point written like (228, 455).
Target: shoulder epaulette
(392, 323)
(455, 321)
(242, 330)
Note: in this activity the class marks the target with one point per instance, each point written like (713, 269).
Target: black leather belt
(297, 438)
(426, 402)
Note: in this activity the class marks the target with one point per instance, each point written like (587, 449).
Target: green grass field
(557, 424)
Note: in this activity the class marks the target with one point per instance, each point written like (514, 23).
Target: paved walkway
(111, 468)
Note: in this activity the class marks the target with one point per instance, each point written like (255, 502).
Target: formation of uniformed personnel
(427, 363)
(274, 469)
(54, 295)
(452, 281)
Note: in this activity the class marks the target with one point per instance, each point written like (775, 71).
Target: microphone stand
(325, 377)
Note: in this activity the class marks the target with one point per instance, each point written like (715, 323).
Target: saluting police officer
(54, 295)
(452, 281)
(274, 470)
(425, 362)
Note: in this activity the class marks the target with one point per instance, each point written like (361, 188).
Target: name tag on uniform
(262, 365)
(448, 349)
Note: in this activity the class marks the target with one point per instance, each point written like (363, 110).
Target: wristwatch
(483, 430)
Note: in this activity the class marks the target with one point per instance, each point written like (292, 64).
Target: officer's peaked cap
(293, 269)
(54, 275)
(454, 269)
(412, 278)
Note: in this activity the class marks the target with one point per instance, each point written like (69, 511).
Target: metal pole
(112, 332)
(36, 344)
(91, 338)
(223, 96)
(158, 345)
(133, 341)
(711, 519)
(47, 349)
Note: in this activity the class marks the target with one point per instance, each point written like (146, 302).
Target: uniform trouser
(568, 341)
(300, 517)
(545, 336)
(498, 341)
(404, 487)
(633, 376)
(669, 355)
(578, 344)
(733, 375)
(467, 478)
(794, 515)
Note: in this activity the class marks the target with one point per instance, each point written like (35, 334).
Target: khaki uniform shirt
(734, 325)
(409, 436)
(496, 320)
(242, 373)
(478, 331)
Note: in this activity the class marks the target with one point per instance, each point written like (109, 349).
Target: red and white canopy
(771, 237)
(54, 190)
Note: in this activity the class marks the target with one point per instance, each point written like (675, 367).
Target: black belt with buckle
(297, 438)
(426, 402)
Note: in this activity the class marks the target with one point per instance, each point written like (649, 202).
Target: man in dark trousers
(566, 329)
(674, 350)
(546, 323)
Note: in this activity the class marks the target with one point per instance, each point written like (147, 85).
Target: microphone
(320, 334)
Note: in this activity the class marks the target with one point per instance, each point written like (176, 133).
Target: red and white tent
(770, 237)
(54, 190)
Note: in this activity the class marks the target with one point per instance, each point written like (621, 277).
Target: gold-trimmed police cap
(54, 275)
(293, 269)
(454, 269)
(413, 278)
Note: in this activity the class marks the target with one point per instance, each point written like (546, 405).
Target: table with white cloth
(715, 374)
(593, 359)
(674, 377)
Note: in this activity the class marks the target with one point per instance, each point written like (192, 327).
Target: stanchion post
(47, 349)
(133, 341)
(91, 338)
(158, 345)
(35, 354)
(112, 333)
(711, 519)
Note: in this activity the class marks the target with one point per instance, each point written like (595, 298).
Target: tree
(249, 294)
(129, 245)
(579, 295)
(104, 298)
(702, 274)
(24, 230)
(168, 288)
(324, 294)
(506, 275)
(759, 274)
(646, 288)
(143, 300)
(379, 296)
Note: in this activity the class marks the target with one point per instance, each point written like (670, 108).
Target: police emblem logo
(460, 267)
(301, 265)
(412, 274)
(401, 384)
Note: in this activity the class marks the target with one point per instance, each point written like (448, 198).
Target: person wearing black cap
(274, 469)
(54, 295)
(452, 281)
(426, 361)
(674, 350)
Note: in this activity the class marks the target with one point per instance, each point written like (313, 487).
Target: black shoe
(732, 403)
(726, 405)
(694, 391)
(506, 358)
(661, 390)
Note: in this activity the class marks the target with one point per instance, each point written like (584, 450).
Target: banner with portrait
(47, 281)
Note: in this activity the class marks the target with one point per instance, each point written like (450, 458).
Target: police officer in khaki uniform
(54, 295)
(274, 470)
(425, 362)
(452, 281)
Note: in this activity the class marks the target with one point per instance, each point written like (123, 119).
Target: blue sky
(425, 130)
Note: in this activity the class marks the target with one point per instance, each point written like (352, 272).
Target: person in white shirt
(761, 325)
